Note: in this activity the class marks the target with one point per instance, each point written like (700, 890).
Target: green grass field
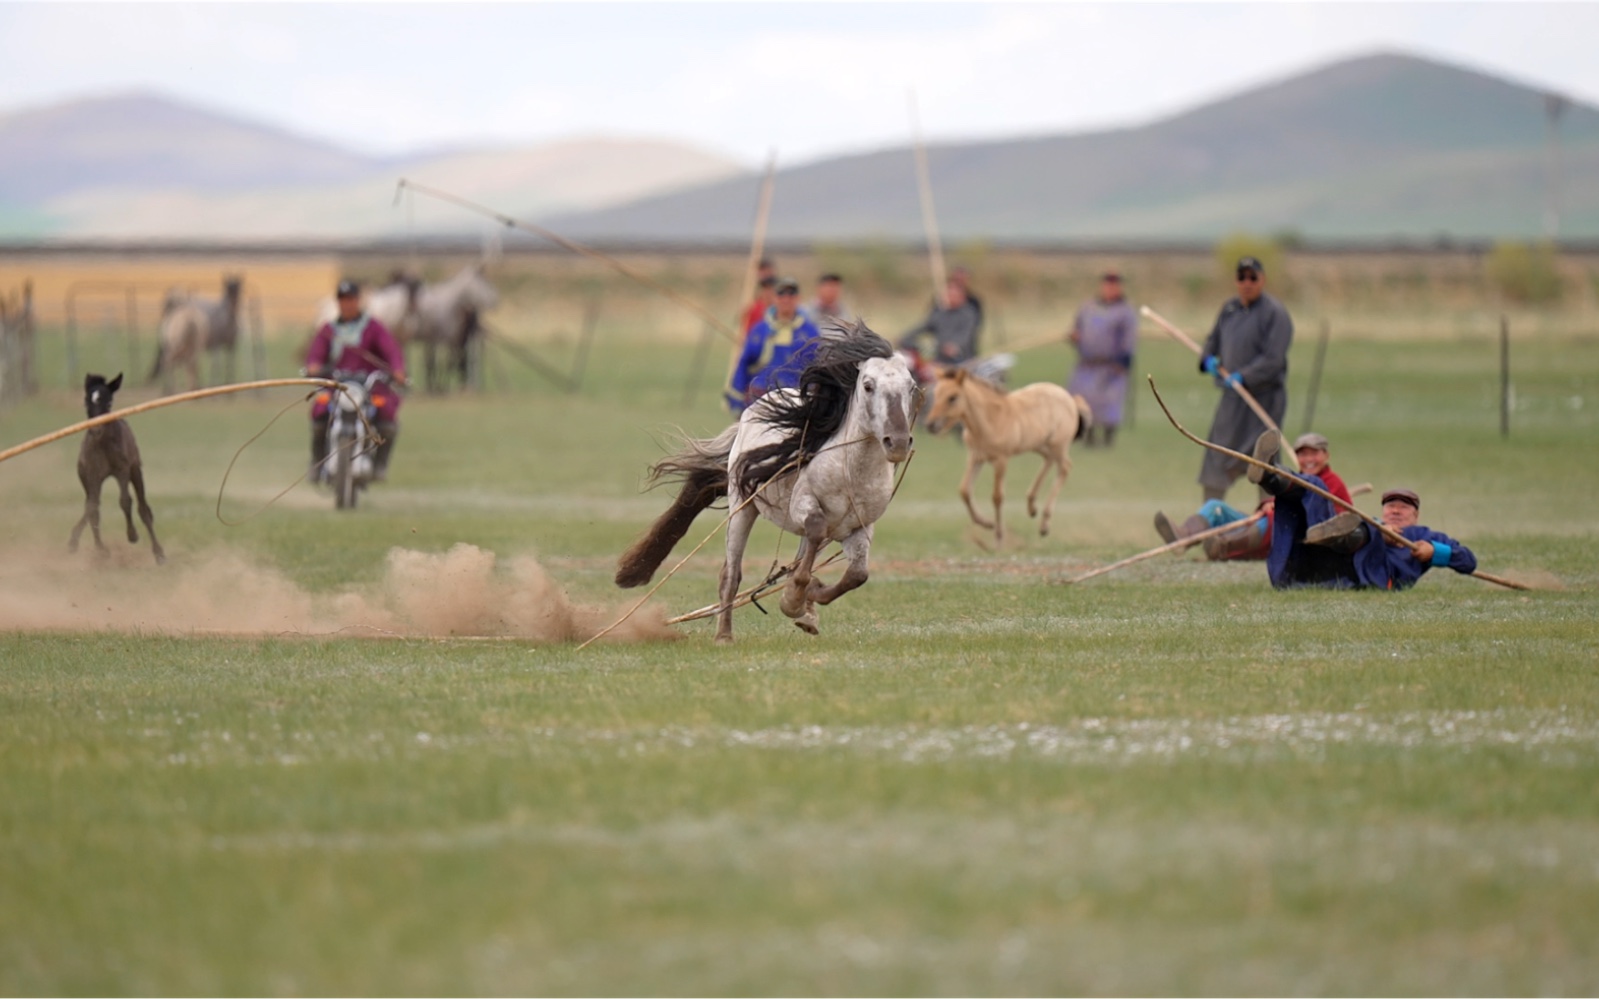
(1168, 780)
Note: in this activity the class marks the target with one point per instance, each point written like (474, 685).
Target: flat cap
(1316, 441)
(1403, 495)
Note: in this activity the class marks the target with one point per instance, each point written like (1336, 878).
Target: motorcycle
(352, 445)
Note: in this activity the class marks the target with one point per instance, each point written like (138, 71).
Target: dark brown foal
(109, 450)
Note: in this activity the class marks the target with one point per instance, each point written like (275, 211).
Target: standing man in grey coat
(1250, 340)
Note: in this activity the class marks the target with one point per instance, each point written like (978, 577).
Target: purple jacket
(360, 346)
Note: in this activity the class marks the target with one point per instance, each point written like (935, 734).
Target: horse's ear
(88, 381)
(115, 383)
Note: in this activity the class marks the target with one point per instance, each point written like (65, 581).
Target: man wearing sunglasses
(775, 350)
(1250, 342)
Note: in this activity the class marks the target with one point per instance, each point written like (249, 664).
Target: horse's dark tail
(701, 466)
(160, 355)
(1085, 417)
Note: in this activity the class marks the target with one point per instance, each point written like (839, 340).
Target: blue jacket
(1376, 565)
(774, 354)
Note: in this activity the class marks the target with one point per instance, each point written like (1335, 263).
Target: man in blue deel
(775, 351)
(1314, 544)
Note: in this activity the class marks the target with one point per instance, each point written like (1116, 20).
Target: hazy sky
(808, 79)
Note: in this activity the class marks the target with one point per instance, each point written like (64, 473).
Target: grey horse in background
(449, 314)
(190, 326)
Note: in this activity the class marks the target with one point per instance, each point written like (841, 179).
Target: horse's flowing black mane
(811, 418)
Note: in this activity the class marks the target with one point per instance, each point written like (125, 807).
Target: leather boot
(1344, 533)
(1233, 544)
(1266, 446)
(1187, 529)
(380, 460)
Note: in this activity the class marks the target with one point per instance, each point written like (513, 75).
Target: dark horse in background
(108, 451)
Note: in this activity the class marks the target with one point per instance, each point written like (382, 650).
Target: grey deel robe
(1252, 340)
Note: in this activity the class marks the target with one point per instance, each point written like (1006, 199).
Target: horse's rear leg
(739, 526)
(1063, 468)
(147, 515)
(1032, 493)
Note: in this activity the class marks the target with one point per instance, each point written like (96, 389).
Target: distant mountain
(146, 141)
(140, 165)
(1375, 146)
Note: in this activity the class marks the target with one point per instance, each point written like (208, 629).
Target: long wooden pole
(1386, 531)
(1249, 400)
(171, 400)
(1315, 377)
(763, 212)
(1504, 376)
(1172, 546)
(575, 247)
(924, 185)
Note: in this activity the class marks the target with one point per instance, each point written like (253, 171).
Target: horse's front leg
(999, 499)
(857, 549)
(739, 526)
(91, 513)
(798, 603)
(125, 500)
(973, 463)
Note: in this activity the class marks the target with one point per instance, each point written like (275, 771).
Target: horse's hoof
(133, 537)
(1043, 530)
(724, 639)
(807, 625)
(160, 558)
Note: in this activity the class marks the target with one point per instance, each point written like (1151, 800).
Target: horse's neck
(986, 412)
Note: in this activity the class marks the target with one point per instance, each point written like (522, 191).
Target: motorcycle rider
(358, 344)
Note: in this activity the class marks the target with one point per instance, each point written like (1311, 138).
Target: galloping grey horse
(192, 325)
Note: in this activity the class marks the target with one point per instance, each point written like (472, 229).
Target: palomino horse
(817, 461)
(190, 326)
(1041, 417)
(109, 451)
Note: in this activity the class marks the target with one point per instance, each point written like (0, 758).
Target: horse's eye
(871, 387)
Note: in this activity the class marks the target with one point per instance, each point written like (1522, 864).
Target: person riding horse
(358, 344)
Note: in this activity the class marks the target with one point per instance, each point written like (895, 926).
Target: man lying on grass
(1313, 544)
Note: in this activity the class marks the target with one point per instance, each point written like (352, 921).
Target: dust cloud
(462, 592)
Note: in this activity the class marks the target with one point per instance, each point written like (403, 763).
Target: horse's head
(885, 395)
(97, 393)
(949, 399)
(232, 285)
